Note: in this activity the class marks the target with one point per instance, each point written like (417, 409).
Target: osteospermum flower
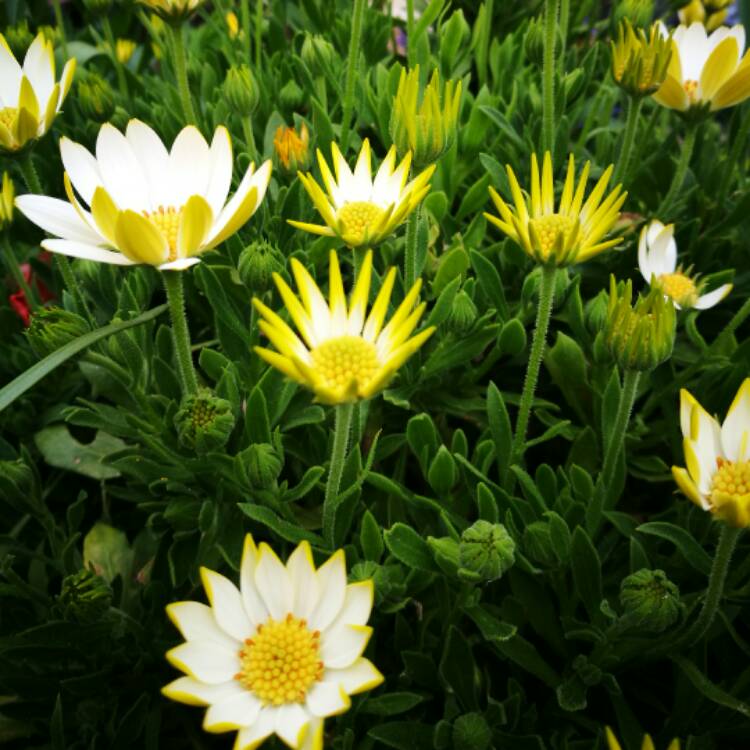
(278, 655)
(30, 98)
(657, 260)
(571, 233)
(648, 743)
(363, 211)
(147, 204)
(717, 477)
(341, 355)
(705, 70)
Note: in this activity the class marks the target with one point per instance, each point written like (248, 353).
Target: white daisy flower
(280, 654)
(705, 69)
(29, 96)
(717, 477)
(147, 204)
(358, 209)
(657, 260)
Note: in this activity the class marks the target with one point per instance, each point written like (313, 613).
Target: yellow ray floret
(571, 233)
(359, 209)
(340, 352)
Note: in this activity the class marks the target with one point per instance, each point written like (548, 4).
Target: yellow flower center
(8, 117)
(339, 361)
(731, 480)
(680, 288)
(550, 230)
(358, 219)
(282, 661)
(691, 89)
(167, 221)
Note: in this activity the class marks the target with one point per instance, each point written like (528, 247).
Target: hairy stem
(548, 75)
(180, 331)
(352, 70)
(180, 69)
(343, 415)
(626, 152)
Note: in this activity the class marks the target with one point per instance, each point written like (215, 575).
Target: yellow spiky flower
(291, 147)
(572, 233)
(648, 743)
(341, 354)
(358, 209)
(639, 62)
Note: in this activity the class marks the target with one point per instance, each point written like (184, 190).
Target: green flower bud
(85, 597)
(533, 41)
(241, 90)
(639, 62)
(96, 98)
(19, 38)
(204, 421)
(7, 195)
(428, 127)
(256, 264)
(317, 53)
(639, 336)
(53, 327)
(512, 338)
(650, 600)
(486, 552)
(638, 12)
(260, 465)
(463, 314)
(471, 732)
(291, 95)
(595, 312)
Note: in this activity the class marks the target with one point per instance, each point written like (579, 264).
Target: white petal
(663, 253)
(196, 622)
(694, 51)
(359, 676)
(189, 165)
(313, 739)
(644, 257)
(327, 699)
(255, 607)
(290, 720)
(234, 712)
(38, 67)
(10, 77)
(342, 645)
(82, 168)
(304, 581)
(712, 298)
(180, 264)
(332, 585)
(57, 217)
(357, 606)
(263, 727)
(220, 177)
(735, 431)
(196, 693)
(153, 157)
(272, 581)
(121, 172)
(205, 661)
(227, 606)
(74, 249)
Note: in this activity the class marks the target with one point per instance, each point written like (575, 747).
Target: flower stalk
(411, 249)
(622, 167)
(548, 73)
(180, 332)
(352, 66)
(258, 31)
(180, 68)
(343, 421)
(681, 170)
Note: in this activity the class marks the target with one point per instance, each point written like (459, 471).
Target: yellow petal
(612, 740)
(26, 126)
(139, 240)
(671, 94)
(721, 63)
(241, 215)
(27, 98)
(195, 223)
(736, 89)
(548, 185)
(105, 213)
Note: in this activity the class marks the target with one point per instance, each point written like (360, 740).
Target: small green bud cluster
(241, 90)
(485, 552)
(650, 600)
(204, 421)
(52, 328)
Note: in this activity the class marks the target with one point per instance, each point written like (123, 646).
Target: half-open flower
(30, 98)
(341, 354)
(572, 233)
(706, 71)
(280, 654)
(657, 260)
(147, 204)
(717, 477)
(363, 211)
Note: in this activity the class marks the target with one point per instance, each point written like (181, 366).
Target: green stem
(734, 158)
(411, 48)
(180, 331)
(352, 66)
(543, 315)
(343, 414)
(122, 82)
(245, 25)
(484, 42)
(679, 176)
(59, 21)
(410, 251)
(258, 30)
(564, 20)
(14, 269)
(30, 176)
(247, 131)
(180, 69)
(626, 152)
(548, 75)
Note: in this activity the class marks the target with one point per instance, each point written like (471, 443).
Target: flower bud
(317, 53)
(260, 465)
(533, 41)
(650, 600)
(7, 195)
(85, 597)
(463, 314)
(19, 38)
(233, 24)
(257, 263)
(173, 11)
(292, 150)
(639, 63)
(241, 90)
(291, 96)
(96, 98)
(638, 12)
(52, 328)
(486, 552)
(639, 336)
(204, 421)
(471, 732)
(124, 49)
(426, 128)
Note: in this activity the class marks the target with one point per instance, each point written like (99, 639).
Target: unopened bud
(241, 90)
(96, 98)
(260, 465)
(257, 263)
(291, 96)
(650, 600)
(52, 328)
(317, 53)
(463, 314)
(640, 62)
(204, 421)
(486, 552)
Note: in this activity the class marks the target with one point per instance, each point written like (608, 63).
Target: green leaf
(29, 378)
(409, 547)
(286, 530)
(692, 552)
(61, 450)
(371, 538)
(457, 668)
(403, 735)
(587, 571)
(500, 427)
(391, 704)
(106, 551)
(708, 689)
(490, 282)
